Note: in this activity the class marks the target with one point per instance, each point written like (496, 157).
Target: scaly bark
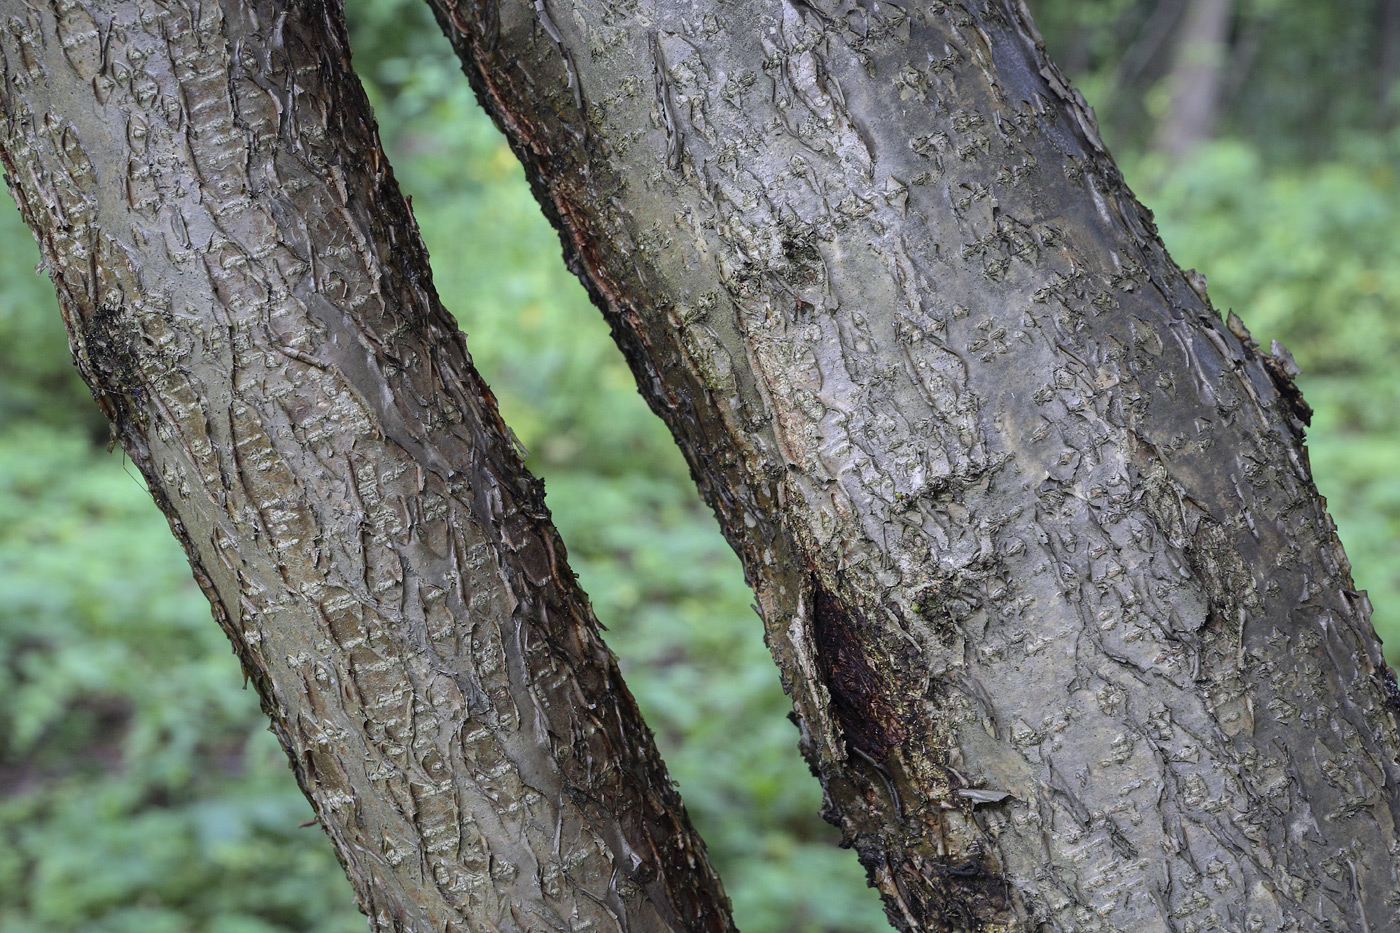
(1070, 638)
(247, 296)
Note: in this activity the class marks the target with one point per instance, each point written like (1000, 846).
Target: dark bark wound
(859, 700)
(1282, 369)
(113, 365)
(1392, 691)
(967, 895)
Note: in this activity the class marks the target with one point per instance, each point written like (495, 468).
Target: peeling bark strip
(247, 295)
(1033, 533)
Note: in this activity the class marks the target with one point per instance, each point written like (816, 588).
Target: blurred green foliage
(1299, 81)
(139, 788)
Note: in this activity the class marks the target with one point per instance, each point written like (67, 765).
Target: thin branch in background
(1388, 58)
(1253, 27)
(1146, 48)
(1198, 60)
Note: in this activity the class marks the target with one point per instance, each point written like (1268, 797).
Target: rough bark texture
(1071, 640)
(248, 297)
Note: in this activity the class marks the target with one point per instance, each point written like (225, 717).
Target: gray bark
(1198, 67)
(247, 296)
(1071, 640)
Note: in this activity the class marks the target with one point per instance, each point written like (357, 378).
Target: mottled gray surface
(248, 297)
(1070, 636)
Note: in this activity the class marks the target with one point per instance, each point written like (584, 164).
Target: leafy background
(139, 788)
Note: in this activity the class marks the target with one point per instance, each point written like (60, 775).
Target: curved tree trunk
(1071, 640)
(247, 296)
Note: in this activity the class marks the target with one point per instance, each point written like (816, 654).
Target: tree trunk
(248, 298)
(1070, 637)
(1198, 64)
(1388, 58)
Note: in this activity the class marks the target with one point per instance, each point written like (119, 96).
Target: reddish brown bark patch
(860, 700)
